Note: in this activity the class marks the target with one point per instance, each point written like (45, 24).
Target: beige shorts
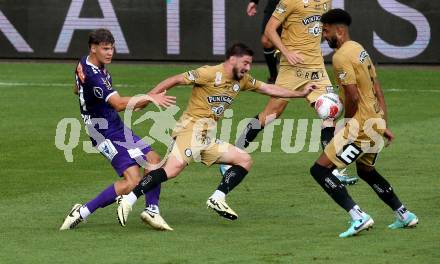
(198, 144)
(295, 78)
(347, 147)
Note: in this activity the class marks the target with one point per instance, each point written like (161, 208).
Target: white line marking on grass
(414, 90)
(24, 84)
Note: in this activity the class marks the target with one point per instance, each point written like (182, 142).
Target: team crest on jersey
(218, 78)
(218, 110)
(316, 30)
(98, 92)
(281, 8)
(363, 56)
(236, 87)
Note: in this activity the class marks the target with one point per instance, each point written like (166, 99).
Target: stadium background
(406, 31)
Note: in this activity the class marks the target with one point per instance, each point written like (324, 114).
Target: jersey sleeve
(198, 76)
(102, 88)
(251, 84)
(344, 70)
(284, 9)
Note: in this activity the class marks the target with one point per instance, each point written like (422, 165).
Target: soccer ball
(329, 106)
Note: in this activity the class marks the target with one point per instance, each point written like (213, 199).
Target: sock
(103, 199)
(382, 188)
(131, 198)
(152, 196)
(402, 213)
(271, 61)
(84, 212)
(232, 178)
(218, 195)
(249, 134)
(150, 181)
(327, 134)
(324, 177)
(356, 213)
(153, 208)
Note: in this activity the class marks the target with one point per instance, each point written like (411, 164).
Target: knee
(154, 159)
(365, 172)
(128, 185)
(245, 161)
(173, 171)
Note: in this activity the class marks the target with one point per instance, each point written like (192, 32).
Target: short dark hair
(101, 35)
(336, 16)
(239, 50)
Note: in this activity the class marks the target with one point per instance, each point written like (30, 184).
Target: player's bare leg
(322, 173)
(239, 163)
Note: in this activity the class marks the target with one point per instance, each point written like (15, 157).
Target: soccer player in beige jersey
(361, 139)
(301, 63)
(214, 90)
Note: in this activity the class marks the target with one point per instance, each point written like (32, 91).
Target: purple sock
(152, 196)
(103, 199)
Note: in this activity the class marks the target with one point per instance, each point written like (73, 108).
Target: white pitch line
(24, 84)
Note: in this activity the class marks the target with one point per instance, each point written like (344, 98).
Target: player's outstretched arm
(120, 103)
(168, 84)
(277, 91)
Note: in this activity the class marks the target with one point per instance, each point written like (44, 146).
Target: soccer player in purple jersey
(99, 105)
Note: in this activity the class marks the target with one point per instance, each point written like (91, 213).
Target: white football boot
(124, 209)
(72, 219)
(152, 217)
(222, 208)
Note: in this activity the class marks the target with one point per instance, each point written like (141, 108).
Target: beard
(332, 42)
(236, 72)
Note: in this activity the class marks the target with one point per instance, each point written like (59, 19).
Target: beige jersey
(302, 29)
(214, 91)
(353, 65)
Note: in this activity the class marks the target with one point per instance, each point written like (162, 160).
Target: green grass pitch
(285, 217)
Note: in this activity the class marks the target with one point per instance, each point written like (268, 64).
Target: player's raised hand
(389, 136)
(294, 57)
(251, 9)
(162, 99)
(310, 87)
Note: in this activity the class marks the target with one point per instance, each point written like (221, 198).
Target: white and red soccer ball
(329, 105)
